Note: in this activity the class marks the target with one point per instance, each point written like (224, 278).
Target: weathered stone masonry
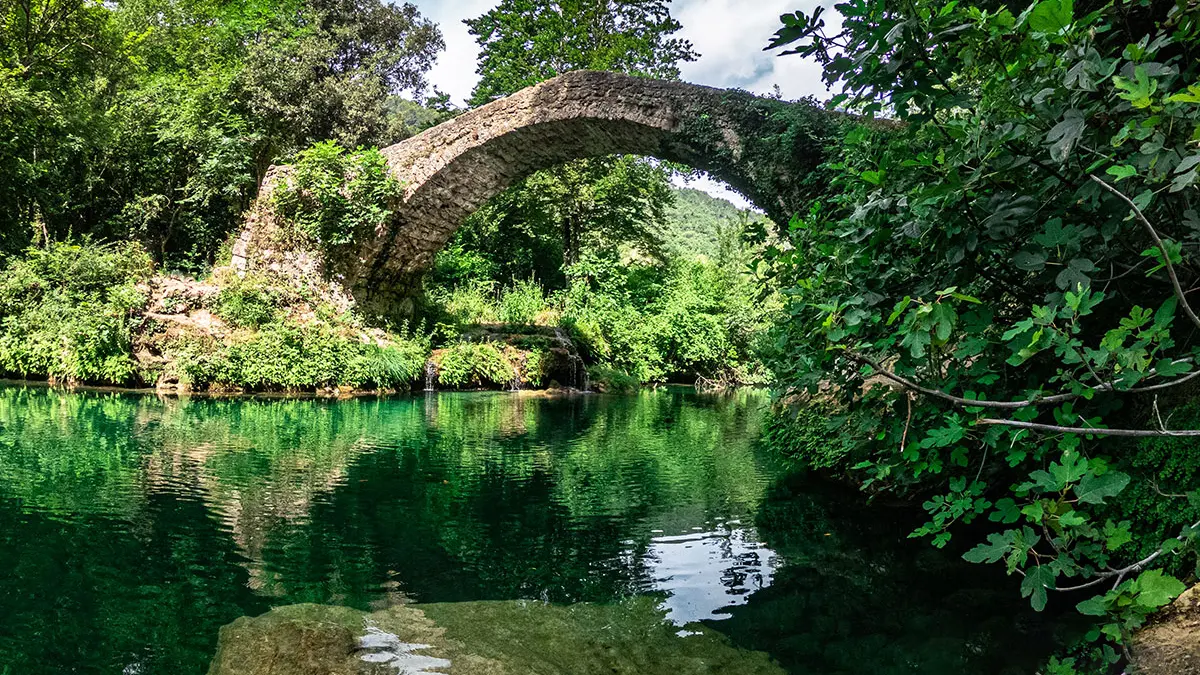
(764, 148)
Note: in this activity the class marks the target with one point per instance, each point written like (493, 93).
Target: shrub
(387, 366)
(248, 302)
(610, 380)
(533, 369)
(474, 364)
(297, 357)
(522, 302)
(334, 197)
(814, 435)
(67, 312)
(470, 303)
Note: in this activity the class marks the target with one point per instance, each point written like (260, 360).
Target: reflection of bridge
(765, 148)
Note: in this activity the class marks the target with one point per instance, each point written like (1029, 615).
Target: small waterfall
(430, 375)
(578, 369)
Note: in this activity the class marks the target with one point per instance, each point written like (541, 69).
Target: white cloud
(729, 35)
(454, 72)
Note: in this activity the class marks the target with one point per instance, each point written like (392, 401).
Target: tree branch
(1090, 431)
(1015, 405)
(1120, 574)
(936, 393)
(1162, 247)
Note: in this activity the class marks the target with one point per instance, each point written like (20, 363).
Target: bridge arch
(767, 149)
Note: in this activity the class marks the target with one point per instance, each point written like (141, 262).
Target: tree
(155, 120)
(50, 55)
(1013, 252)
(615, 200)
(526, 41)
(327, 71)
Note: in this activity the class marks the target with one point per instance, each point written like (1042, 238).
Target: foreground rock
(1171, 645)
(477, 638)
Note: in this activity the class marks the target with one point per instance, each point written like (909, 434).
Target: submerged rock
(478, 638)
(1171, 645)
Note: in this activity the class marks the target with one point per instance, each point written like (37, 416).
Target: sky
(729, 35)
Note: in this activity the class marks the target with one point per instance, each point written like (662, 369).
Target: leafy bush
(1011, 256)
(474, 364)
(814, 434)
(67, 312)
(466, 304)
(387, 366)
(533, 368)
(456, 265)
(612, 381)
(689, 318)
(522, 302)
(334, 197)
(297, 358)
(248, 302)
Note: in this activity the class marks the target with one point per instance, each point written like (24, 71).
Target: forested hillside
(696, 219)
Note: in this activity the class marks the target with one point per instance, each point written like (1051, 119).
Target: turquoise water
(133, 527)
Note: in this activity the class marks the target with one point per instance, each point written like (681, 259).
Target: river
(132, 527)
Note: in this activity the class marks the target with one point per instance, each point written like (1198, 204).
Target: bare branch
(1162, 247)
(1120, 574)
(1165, 385)
(957, 400)
(1016, 405)
(1090, 431)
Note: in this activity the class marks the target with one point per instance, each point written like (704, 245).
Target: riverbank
(98, 315)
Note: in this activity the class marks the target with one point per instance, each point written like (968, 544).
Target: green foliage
(696, 221)
(393, 365)
(466, 304)
(812, 433)
(533, 370)
(612, 381)
(687, 319)
(474, 364)
(523, 42)
(1129, 604)
(298, 357)
(248, 301)
(554, 217)
(67, 312)
(984, 248)
(333, 197)
(155, 120)
(521, 303)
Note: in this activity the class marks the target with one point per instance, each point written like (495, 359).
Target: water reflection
(132, 528)
(709, 570)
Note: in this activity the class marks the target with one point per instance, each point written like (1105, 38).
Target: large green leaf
(997, 546)
(1037, 580)
(1051, 16)
(1156, 589)
(1093, 489)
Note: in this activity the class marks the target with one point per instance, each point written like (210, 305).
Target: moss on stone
(479, 638)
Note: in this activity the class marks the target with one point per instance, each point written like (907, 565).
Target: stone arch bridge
(767, 149)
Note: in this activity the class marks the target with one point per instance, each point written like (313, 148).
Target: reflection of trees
(98, 595)
(496, 497)
(856, 596)
(134, 520)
